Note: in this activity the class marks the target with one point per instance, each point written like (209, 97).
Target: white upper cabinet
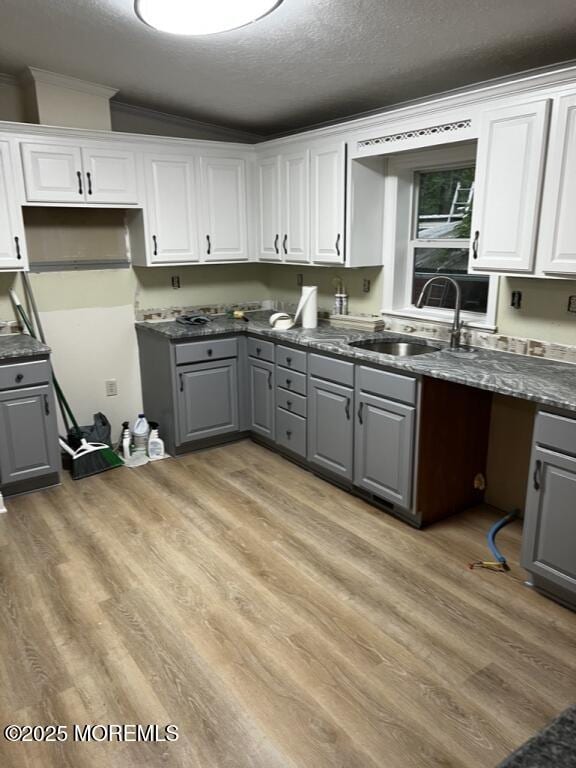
(78, 175)
(172, 234)
(296, 207)
(223, 232)
(509, 172)
(327, 203)
(53, 174)
(268, 208)
(110, 176)
(557, 244)
(12, 241)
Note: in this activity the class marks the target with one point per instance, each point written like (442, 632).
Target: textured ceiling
(309, 61)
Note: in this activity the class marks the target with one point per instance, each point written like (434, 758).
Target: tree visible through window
(441, 236)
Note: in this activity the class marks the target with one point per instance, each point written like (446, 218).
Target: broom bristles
(98, 459)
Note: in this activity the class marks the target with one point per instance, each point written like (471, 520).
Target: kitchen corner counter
(18, 345)
(546, 382)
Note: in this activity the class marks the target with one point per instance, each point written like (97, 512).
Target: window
(441, 235)
(429, 203)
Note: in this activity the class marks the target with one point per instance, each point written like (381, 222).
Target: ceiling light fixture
(202, 17)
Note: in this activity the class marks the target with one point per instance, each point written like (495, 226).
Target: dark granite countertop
(542, 381)
(14, 345)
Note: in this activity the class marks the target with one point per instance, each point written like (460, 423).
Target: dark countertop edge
(21, 346)
(391, 363)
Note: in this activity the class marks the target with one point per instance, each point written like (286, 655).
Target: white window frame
(399, 242)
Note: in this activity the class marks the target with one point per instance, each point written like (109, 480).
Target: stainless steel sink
(396, 348)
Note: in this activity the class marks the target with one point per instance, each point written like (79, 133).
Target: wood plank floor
(276, 620)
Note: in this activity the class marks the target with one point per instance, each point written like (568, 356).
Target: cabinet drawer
(291, 380)
(557, 432)
(291, 432)
(24, 374)
(202, 351)
(331, 369)
(295, 359)
(262, 350)
(391, 385)
(291, 402)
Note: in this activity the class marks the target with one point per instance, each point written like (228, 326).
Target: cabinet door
(327, 204)
(268, 208)
(28, 434)
(261, 386)
(53, 173)
(330, 427)
(509, 172)
(549, 538)
(224, 209)
(557, 245)
(110, 177)
(171, 197)
(296, 207)
(12, 241)
(207, 400)
(384, 448)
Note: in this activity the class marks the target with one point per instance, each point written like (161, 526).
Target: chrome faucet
(456, 325)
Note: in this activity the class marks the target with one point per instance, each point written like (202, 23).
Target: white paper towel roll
(310, 306)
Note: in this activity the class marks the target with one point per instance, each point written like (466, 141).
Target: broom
(90, 458)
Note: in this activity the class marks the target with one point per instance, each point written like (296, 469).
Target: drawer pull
(360, 410)
(288, 383)
(269, 379)
(276, 243)
(19, 377)
(289, 361)
(348, 408)
(338, 245)
(79, 176)
(285, 245)
(155, 241)
(475, 244)
(288, 434)
(208, 245)
(89, 177)
(18, 252)
(46, 405)
(181, 383)
(209, 352)
(258, 351)
(537, 477)
(289, 404)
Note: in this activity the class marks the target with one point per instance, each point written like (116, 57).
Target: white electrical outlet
(111, 387)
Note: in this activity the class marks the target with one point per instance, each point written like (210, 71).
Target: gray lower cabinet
(261, 385)
(384, 447)
(28, 435)
(331, 427)
(549, 541)
(207, 400)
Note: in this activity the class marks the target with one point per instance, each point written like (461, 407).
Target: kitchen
(330, 483)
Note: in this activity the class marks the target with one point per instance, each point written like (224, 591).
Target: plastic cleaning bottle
(141, 433)
(126, 440)
(155, 444)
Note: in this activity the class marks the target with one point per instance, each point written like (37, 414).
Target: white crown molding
(71, 83)
(187, 122)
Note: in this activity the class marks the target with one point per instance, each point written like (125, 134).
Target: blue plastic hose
(492, 537)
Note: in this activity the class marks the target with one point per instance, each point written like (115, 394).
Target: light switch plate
(111, 387)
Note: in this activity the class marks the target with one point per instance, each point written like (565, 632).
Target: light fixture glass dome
(202, 17)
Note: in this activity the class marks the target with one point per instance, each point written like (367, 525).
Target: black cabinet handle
(288, 383)
(338, 245)
(276, 239)
(89, 177)
(208, 245)
(475, 245)
(285, 244)
(269, 379)
(17, 241)
(155, 241)
(209, 352)
(360, 410)
(181, 383)
(348, 408)
(288, 434)
(289, 404)
(537, 477)
(288, 361)
(258, 351)
(79, 176)
(19, 377)
(46, 405)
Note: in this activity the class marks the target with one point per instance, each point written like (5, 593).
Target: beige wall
(11, 101)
